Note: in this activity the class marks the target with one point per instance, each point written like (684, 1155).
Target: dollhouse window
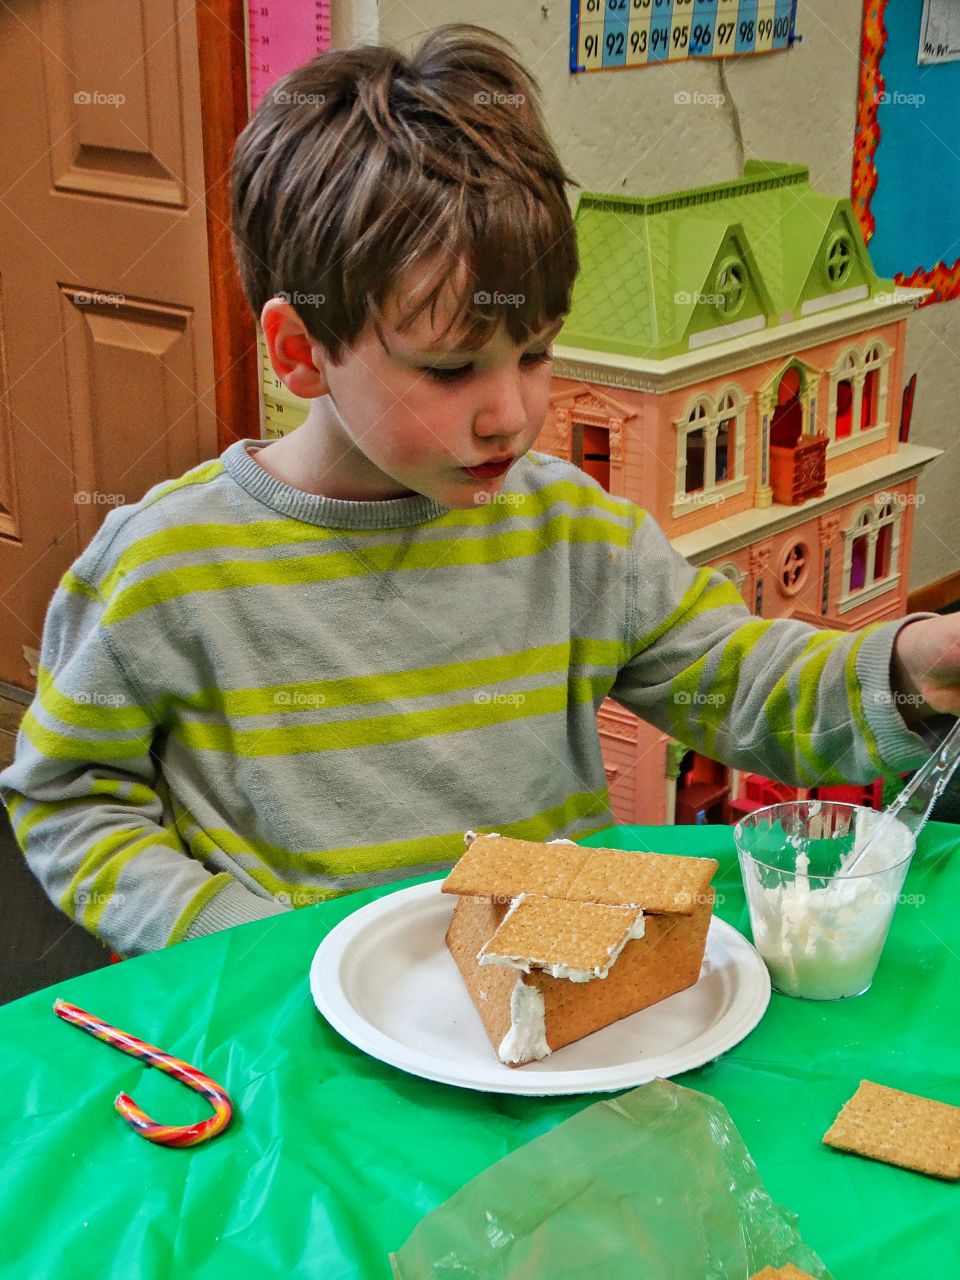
(871, 553)
(871, 389)
(858, 397)
(729, 288)
(726, 436)
(710, 449)
(696, 459)
(695, 450)
(838, 261)
(844, 409)
(794, 568)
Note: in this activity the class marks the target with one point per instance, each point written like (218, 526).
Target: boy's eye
(441, 373)
(453, 373)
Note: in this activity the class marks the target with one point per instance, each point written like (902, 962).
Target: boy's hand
(925, 671)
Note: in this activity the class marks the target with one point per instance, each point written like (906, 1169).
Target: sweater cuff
(900, 748)
(233, 905)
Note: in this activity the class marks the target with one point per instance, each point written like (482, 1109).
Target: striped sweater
(251, 697)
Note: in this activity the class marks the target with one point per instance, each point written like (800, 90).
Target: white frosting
(821, 938)
(470, 836)
(527, 1037)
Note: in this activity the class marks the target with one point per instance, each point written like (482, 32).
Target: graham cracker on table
(899, 1128)
(541, 932)
(662, 883)
(788, 1272)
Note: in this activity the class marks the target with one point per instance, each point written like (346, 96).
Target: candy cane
(166, 1135)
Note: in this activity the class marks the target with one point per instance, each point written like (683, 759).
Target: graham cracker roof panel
(660, 883)
(499, 867)
(543, 932)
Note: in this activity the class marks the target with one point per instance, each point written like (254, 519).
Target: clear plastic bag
(656, 1183)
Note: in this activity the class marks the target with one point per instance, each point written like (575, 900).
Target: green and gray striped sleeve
(805, 705)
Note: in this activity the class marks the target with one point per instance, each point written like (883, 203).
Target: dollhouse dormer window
(859, 384)
(838, 260)
(729, 288)
(710, 449)
(871, 554)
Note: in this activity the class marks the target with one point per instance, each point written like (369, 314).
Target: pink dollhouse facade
(775, 457)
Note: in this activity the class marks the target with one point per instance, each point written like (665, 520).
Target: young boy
(309, 666)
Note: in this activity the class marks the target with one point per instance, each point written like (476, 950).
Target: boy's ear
(297, 359)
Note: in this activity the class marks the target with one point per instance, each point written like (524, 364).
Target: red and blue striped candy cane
(167, 1135)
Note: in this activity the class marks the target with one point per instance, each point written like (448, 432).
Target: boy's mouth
(489, 470)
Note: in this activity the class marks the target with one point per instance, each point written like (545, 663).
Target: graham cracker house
(733, 364)
(555, 941)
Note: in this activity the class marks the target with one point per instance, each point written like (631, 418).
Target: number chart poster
(906, 166)
(608, 34)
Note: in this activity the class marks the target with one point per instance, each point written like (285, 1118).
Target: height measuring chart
(608, 34)
(283, 34)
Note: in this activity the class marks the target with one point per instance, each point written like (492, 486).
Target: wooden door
(108, 375)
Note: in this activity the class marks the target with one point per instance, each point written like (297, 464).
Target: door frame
(224, 111)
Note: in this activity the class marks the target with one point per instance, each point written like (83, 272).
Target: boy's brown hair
(364, 163)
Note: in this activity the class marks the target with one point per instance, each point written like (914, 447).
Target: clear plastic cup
(820, 933)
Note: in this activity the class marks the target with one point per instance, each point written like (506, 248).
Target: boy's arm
(85, 802)
(773, 696)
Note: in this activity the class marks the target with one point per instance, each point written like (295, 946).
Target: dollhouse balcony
(799, 472)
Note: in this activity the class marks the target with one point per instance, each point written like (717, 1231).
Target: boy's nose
(503, 412)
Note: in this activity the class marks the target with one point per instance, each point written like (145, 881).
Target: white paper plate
(385, 980)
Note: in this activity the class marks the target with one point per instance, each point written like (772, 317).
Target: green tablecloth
(333, 1157)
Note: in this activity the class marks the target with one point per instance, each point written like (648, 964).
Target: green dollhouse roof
(664, 275)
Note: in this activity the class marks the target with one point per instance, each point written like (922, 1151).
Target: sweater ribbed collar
(314, 508)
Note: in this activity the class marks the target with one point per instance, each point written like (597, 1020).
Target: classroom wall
(621, 131)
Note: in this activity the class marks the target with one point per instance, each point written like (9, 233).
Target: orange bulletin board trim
(943, 280)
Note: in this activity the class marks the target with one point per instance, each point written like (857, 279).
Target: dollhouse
(733, 364)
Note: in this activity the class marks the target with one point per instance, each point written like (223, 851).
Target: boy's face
(413, 417)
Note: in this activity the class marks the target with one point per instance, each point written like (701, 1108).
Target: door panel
(106, 361)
